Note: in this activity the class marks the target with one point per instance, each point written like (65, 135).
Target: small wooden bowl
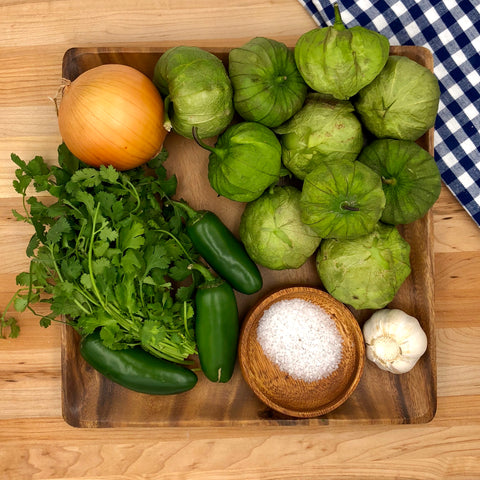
(278, 389)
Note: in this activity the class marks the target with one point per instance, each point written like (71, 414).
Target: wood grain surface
(36, 442)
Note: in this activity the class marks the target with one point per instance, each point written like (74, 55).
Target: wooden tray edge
(74, 53)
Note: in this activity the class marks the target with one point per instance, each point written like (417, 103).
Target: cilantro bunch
(108, 253)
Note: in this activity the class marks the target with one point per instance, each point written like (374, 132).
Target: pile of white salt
(301, 338)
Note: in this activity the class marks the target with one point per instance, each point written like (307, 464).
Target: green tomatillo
(339, 61)
(196, 89)
(342, 199)
(401, 102)
(410, 178)
(244, 162)
(365, 272)
(323, 129)
(267, 86)
(272, 232)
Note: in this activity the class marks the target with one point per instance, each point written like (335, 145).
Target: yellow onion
(112, 115)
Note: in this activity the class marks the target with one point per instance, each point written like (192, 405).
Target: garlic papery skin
(394, 340)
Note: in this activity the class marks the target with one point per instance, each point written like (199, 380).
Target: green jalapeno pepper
(222, 250)
(136, 369)
(216, 326)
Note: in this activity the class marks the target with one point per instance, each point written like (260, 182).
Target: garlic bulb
(394, 340)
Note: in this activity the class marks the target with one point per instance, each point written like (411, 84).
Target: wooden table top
(35, 441)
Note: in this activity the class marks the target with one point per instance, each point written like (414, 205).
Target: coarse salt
(301, 338)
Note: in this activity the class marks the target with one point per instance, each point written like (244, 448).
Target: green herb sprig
(108, 254)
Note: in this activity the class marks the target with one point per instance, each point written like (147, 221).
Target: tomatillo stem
(389, 181)
(350, 208)
(200, 142)
(338, 24)
(167, 123)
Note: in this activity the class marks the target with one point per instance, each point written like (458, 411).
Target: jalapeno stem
(191, 212)
(210, 279)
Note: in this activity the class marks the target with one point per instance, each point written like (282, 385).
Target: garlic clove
(377, 361)
(403, 365)
(415, 346)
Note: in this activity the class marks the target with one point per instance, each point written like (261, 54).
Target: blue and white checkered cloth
(451, 30)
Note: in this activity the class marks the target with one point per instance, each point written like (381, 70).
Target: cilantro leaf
(86, 281)
(87, 199)
(67, 161)
(100, 265)
(87, 177)
(70, 268)
(179, 271)
(108, 234)
(20, 304)
(131, 235)
(131, 262)
(61, 226)
(185, 293)
(108, 174)
(156, 257)
(32, 245)
(106, 200)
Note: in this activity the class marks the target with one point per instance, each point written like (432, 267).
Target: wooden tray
(90, 400)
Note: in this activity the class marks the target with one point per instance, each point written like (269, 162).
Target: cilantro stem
(30, 286)
(55, 264)
(86, 295)
(169, 351)
(90, 257)
(179, 243)
(81, 307)
(4, 322)
(28, 217)
(46, 317)
(185, 321)
(9, 304)
(109, 308)
(73, 207)
(133, 191)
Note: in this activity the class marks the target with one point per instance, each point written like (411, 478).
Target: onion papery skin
(112, 115)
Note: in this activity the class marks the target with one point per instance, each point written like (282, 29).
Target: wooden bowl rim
(302, 292)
